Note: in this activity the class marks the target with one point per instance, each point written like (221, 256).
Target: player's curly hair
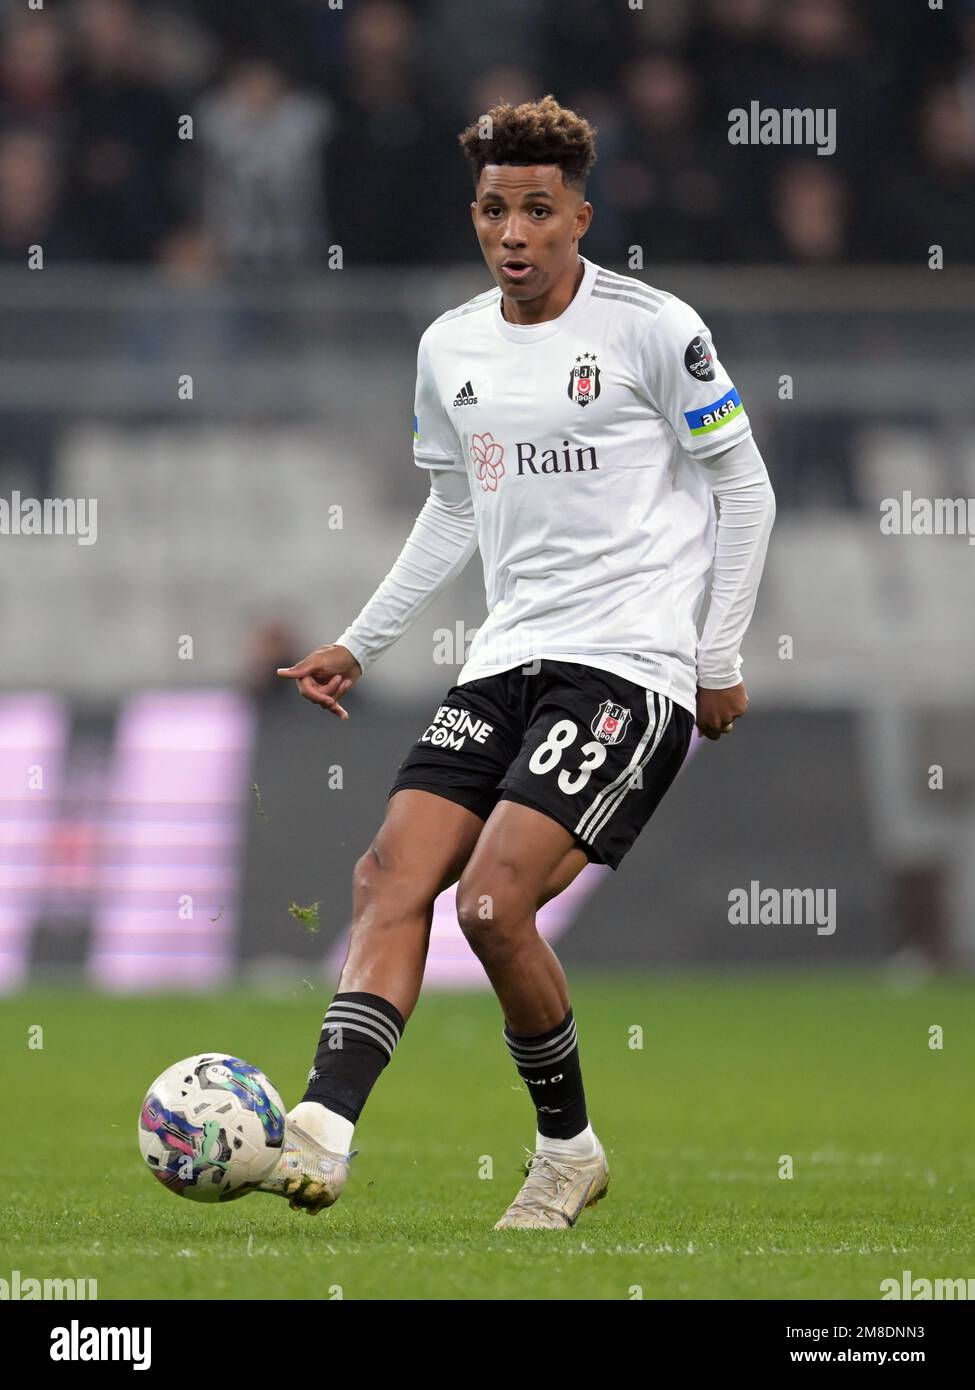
(536, 132)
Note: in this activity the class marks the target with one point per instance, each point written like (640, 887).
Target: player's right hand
(717, 710)
(324, 676)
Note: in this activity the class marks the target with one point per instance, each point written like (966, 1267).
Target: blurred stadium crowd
(317, 123)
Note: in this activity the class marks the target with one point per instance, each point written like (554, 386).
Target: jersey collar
(537, 332)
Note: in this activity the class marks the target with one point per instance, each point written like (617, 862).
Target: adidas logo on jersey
(465, 396)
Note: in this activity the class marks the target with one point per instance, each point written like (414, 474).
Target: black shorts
(594, 751)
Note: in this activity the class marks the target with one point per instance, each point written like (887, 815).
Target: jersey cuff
(724, 682)
(353, 645)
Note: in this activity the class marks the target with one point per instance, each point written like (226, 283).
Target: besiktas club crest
(584, 379)
(610, 722)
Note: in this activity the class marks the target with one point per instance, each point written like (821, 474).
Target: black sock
(359, 1033)
(549, 1066)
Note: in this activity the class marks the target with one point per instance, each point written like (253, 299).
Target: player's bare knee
(384, 895)
(367, 874)
(372, 881)
(494, 945)
(490, 923)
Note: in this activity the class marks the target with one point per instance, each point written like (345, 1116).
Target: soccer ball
(211, 1127)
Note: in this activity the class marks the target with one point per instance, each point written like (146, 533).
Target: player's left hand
(717, 710)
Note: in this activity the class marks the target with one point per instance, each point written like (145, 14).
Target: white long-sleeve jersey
(603, 463)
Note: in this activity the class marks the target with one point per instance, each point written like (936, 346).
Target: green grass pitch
(733, 1073)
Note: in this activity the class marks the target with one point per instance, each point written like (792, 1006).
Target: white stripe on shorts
(610, 798)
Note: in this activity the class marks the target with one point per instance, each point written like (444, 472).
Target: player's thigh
(520, 854)
(447, 785)
(569, 869)
(420, 849)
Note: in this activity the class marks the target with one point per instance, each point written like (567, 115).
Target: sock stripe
(570, 1046)
(368, 1032)
(517, 1046)
(348, 1022)
(340, 1001)
(346, 1009)
(542, 1054)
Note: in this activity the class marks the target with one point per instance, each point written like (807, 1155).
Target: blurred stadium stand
(316, 125)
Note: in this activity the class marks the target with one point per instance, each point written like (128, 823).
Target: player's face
(529, 224)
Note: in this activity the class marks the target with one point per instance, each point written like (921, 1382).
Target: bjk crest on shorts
(584, 379)
(610, 722)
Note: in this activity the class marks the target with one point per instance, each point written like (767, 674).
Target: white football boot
(309, 1175)
(555, 1192)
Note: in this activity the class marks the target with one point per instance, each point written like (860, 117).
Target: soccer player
(578, 427)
